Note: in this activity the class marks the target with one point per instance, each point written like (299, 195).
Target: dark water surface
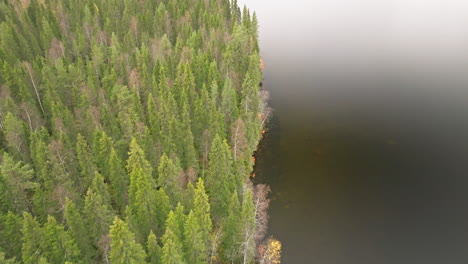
(367, 154)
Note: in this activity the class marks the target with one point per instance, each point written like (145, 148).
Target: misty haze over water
(367, 154)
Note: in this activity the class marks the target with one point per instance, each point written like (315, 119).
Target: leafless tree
(134, 27)
(266, 109)
(104, 247)
(56, 49)
(30, 72)
(261, 203)
(238, 138)
(217, 234)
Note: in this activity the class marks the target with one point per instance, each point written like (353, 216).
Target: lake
(367, 150)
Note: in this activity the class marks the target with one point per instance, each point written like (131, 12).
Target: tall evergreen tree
(99, 186)
(142, 210)
(33, 240)
(16, 184)
(154, 250)
(232, 226)
(86, 161)
(172, 245)
(202, 212)
(99, 216)
(10, 232)
(93, 94)
(118, 180)
(219, 178)
(13, 130)
(169, 178)
(59, 246)
(79, 231)
(195, 245)
(124, 249)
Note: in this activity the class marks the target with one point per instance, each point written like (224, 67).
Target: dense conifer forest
(127, 129)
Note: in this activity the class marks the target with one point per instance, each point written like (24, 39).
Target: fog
(404, 31)
(367, 150)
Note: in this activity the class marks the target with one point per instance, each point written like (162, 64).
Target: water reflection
(368, 150)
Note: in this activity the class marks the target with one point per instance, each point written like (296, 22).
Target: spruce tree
(33, 240)
(202, 212)
(124, 249)
(172, 251)
(99, 216)
(168, 178)
(195, 244)
(79, 231)
(219, 179)
(118, 180)
(15, 184)
(142, 208)
(164, 207)
(10, 232)
(58, 244)
(86, 161)
(99, 186)
(232, 226)
(154, 250)
(229, 102)
(13, 131)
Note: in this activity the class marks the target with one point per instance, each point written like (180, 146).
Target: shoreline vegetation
(127, 133)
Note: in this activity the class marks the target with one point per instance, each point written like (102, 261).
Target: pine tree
(124, 249)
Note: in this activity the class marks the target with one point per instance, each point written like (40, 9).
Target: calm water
(367, 154)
